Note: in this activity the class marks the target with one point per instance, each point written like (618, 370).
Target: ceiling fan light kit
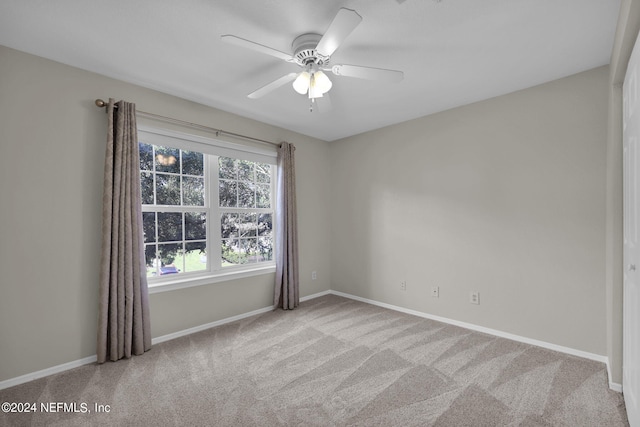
(312, 83)
(301, 83)
(313, 53)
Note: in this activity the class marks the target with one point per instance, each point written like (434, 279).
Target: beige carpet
(332, 362)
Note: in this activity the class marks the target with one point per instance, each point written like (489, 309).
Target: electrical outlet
(474, 298)
(314, 275)
(403, 286)
(435, 291)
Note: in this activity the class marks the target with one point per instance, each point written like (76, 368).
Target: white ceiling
(453, 52)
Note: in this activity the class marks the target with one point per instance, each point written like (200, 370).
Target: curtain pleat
(123, 316)
(286, 294)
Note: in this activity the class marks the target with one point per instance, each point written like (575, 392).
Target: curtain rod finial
(100, 103)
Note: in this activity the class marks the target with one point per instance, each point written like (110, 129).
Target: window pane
(228, 168)
(247, 226)
(228, 193)
(146, 156)
(167, 189)
(263, 196)
(250, 248)
(169, 226)
(150, 260)
(176, 209)
(192, 163)
(265, 248)
(146, 187)
(246, 195)
(149, 226)
(195, 257)
(195, 224)
(167, 159)
(263, 173)
(192, 191)
(264, 224)
(231, 254)
(245, 170)
(228, 225)
(171, 258)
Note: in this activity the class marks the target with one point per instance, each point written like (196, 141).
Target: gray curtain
(123, 323)
(287, 284)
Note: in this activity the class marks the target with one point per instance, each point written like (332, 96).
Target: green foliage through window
(177, 211)
(244, 195)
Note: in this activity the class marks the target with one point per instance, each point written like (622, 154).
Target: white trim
(206, 326)
(318, 295)
(187, 282)
(202, 144)
(567, 350)
(91, 359)
(482, 329)
(200, 328)
(46, 372)
(212, 149)
(613, 386)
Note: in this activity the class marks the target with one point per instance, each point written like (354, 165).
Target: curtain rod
(100, 103)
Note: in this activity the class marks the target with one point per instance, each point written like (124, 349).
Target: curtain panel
(287, 284)
(123, 323)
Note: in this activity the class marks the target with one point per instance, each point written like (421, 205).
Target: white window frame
(212, 148)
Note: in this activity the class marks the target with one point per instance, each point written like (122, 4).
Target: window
(207, 207)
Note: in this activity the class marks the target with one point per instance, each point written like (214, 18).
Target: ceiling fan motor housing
(304, 50)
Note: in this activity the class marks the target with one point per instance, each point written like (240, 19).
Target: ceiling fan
(312, 52)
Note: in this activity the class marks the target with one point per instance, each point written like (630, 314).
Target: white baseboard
(195, 329)
(567, 350)
(46, 372)
(613, 386)
(91, 359)
(318, 295)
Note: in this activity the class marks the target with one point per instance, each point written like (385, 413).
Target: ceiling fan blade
(272, 86)
(342, 25)
(369, 73)
(256, 46)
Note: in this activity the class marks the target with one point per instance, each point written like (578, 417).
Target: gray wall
(505, 197)
(52, 140)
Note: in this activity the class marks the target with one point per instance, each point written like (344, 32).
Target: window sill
(189, 282)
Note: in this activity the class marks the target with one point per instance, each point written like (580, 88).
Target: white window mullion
(156, 259)
(272, 183)
(213, 221)
(153, 171)
(184, 240)
(213, 271)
